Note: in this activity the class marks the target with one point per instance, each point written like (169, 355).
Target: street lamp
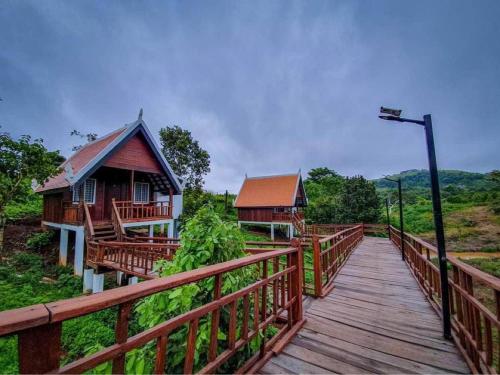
(401, 221)
(394, 115)
(388, 217)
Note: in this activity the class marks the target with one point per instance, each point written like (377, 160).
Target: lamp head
(390, 111)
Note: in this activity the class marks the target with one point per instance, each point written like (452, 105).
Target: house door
(113, 190)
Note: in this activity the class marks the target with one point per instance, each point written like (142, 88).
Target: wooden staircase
(104, 231)
(298, 224)
(99, 231)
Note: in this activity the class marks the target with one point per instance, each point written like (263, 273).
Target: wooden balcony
(286, 217)
(72, 213)
(154, 210)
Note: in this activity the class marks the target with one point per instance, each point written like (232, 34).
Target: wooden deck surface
(376, 320)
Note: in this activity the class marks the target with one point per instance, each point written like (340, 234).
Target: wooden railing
(330, 254)
(298, 223)
(72, 213)
(133, 258)
(89, 226)
(326, 229)
(129, 211)
(287, 216)
(274, 297)
(474, 301)
(116, 220)
(376, 229)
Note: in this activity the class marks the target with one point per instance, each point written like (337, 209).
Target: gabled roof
(269, 191)
(90, 157)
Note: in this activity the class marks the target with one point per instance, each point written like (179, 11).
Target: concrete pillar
(272, 232)
(290, 236)
(133, 280)
(79, 248)
(162, 229)
(239, 224)
(119, 277)
(170, 229)
(88, 280)
(98, 283)
(63, 247)
(151, 230)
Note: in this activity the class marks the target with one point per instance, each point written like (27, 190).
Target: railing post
(316, 266)
(297, 261)
(40, 349)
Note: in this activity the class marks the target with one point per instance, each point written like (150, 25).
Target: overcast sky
(266, 87)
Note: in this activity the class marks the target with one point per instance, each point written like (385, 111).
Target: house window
(76, 193)
(89, 191)
(141, 192)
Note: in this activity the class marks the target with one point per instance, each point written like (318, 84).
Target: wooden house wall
(255, 214)
(135, 154)
(52, 207)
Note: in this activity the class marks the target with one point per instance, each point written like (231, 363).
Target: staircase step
(106, 237)
(104, 232)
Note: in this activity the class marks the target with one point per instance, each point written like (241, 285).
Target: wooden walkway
(376, 320)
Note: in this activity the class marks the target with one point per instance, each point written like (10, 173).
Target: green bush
(40, 239)
(30, 207)
(206, 240)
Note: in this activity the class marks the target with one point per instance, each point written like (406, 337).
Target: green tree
(186, 157)
(358, 201)
(323, 186)
(22, 161)
(205, 240)
(90, 137)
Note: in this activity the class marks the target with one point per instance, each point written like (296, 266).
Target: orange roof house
(274, 200)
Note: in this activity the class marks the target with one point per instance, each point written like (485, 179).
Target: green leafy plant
(205, 240)
(38, 240)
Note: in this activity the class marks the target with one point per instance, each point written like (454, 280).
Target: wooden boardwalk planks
(376, 320)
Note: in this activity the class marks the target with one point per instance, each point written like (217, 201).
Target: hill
(419, 178)
(471, 207)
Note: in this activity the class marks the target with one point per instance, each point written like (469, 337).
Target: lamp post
(394, 115)
(401, 219)
(388, 217)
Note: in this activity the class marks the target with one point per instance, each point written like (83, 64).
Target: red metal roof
(78, 160)
(268, 191)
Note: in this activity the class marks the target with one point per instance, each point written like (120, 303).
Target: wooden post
(121, 335)
(131, 185)
(40, 349)
(316, 266)
(170, 203)
(297, 261)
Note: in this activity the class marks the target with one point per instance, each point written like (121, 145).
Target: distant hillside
(415, 179)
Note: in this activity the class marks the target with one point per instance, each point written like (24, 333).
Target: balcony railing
(130, 211)
(72, 213)
(287, 216)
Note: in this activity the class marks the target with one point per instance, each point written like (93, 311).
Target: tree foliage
(336, 199)
(89, 137)
(22, 161)
(205, 240)
(186, 157)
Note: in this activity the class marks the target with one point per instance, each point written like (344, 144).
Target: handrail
(43, 323)
(326, 229)
(475, 320)
(88, 220)
(117, 221)
(134, 258)
(330, 254)
(130, 210)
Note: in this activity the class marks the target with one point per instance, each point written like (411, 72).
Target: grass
(488, 265)
(25, 280)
